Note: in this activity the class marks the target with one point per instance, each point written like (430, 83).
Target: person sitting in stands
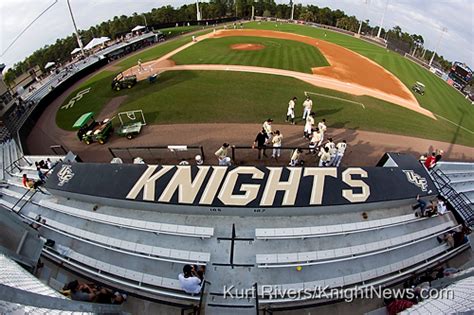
(41, 175)
(80, 291)
(190, 280)
(395, 306)
(35, 224)
(119, 298)
(28, 183)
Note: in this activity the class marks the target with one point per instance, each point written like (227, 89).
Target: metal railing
(158, 154)
(459, 201)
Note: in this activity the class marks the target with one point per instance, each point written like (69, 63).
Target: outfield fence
(172, 154)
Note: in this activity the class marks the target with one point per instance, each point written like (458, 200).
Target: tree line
(119, 25)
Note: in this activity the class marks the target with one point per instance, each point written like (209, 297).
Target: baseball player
(290, 114)
(308, 126)
(276, 141)
(324, 157)
(332, 151)
(295, 157)
(341, 149)
(322, 129)
(140, 67)
(221, 155)
(315, 138)
(307, 107)
(267, 126)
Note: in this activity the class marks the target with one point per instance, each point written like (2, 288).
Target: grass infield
(277, 53)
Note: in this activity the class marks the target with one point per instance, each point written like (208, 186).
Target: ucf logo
(76, 98)
(416, 179)
(65, 174)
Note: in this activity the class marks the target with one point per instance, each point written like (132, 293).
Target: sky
(424, 17)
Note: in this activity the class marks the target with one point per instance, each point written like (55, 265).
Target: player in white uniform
(221, 155)
(322, 129)
(315, 138)
(267, 126)
(307, 107)
(295, 157)
(308, 126)
(341, 149)
(276, 141)
(290, 114)
(332, 151)
(324, 157)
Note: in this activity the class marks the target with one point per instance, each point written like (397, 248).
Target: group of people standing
(329, 153)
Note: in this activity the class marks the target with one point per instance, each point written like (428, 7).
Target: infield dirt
(349, 72)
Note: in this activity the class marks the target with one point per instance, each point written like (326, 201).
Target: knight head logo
(65, 174)
(416, 179)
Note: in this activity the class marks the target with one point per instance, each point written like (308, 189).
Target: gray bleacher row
(149, 226)
(347, 253)
(131, 248)
(111, 272)
(363, 279)
(461, 177)
(63, 75)
(460, 302)
(10, 153)
(335, 229)
(139, 280)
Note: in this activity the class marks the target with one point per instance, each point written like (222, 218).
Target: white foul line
(336, 98)
(470, 131)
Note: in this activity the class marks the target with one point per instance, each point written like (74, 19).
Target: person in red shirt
(431, 161)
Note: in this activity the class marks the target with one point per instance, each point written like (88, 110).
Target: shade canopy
(137, 28)
(75, 51)
(81, 121)
(96, 42)
(49, 65)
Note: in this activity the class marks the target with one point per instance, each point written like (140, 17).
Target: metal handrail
(459, 201)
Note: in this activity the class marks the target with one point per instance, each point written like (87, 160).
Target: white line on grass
(470, 131)
(336, 98)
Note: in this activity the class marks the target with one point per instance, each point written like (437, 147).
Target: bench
(143, 281)
(335, 229)
(146, 251)
(148, 226)
(339, 254)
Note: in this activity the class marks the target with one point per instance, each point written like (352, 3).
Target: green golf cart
(419, 88)
(123, 82)
(91, 130)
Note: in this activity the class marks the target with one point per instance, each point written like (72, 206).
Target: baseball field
(195, 95)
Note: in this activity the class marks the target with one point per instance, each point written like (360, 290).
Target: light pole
(381, 21)
(443, 30)
(361, 21)
(292, 9)
(146, 24)
(77, 33)
(198, 13)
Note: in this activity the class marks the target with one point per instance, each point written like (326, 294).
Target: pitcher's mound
(247, 47)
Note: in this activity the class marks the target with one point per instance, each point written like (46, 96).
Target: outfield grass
(180, 30)
(278, 53)
(440, 98)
